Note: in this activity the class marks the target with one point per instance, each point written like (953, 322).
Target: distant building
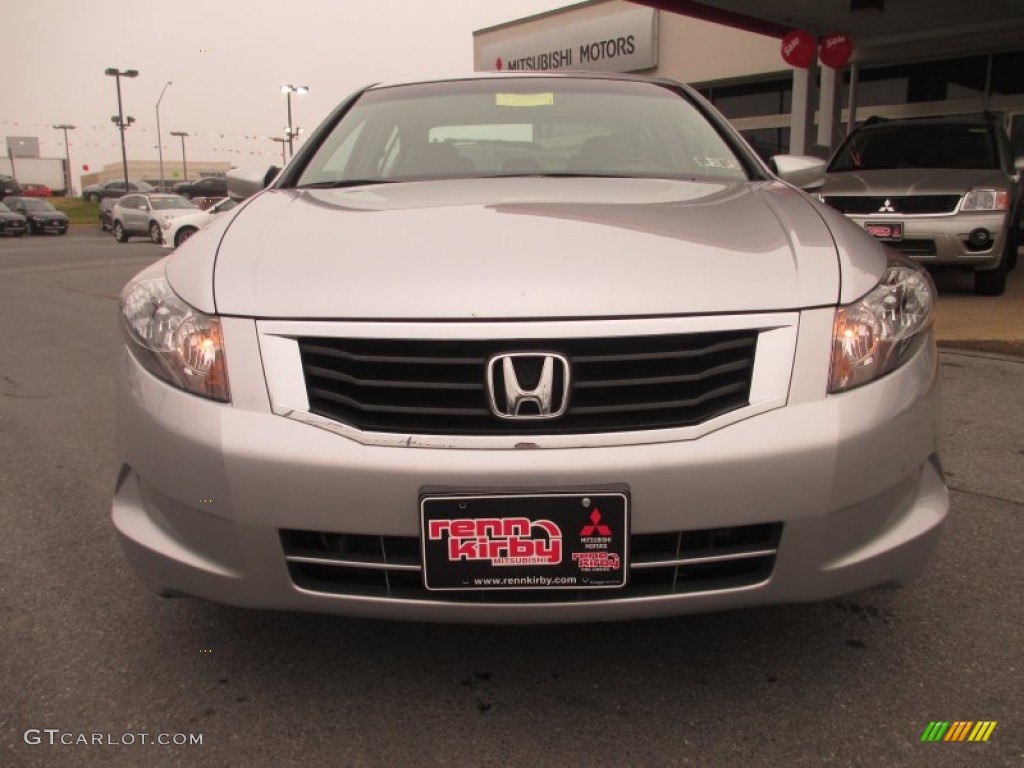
(149, 170)
(965, 58)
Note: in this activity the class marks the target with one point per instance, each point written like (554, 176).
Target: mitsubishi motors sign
(619, 42)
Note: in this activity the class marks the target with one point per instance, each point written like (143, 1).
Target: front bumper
(60, 226)
(943, 240)
(12, 227)
(851, 481)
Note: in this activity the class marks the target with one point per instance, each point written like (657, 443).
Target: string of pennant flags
(137, 129)
(58, 143)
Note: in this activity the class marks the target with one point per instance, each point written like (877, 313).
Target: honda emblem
(528, 385)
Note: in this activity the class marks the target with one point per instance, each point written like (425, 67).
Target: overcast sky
(227, 60)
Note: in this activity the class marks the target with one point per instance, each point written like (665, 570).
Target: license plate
(525, 541)
(890, 230)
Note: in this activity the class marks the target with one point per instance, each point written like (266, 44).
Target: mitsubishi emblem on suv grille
(528, 385)
(887, 207)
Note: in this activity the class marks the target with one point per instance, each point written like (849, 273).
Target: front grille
(619, 384)
(679, 562)
(911, 205)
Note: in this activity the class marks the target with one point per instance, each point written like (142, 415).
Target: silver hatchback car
(528, 348)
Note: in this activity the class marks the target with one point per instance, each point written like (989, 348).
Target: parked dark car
(8, 186)
(96, 192)
(107, 213)
(12, 223)
(211, 186)
(40, 214)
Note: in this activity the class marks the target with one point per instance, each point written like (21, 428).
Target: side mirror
(245, 182)
(801, 171)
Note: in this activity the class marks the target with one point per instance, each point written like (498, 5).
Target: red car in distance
(36, 190)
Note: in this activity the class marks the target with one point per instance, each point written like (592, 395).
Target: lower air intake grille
(661, 564)
(441, 386)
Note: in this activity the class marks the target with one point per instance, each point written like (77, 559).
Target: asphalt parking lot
(87, 650)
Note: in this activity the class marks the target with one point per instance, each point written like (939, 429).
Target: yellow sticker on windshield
(524, 99)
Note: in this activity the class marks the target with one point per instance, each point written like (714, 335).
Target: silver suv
(944, 191)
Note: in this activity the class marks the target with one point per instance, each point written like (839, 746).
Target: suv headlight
(986, 200)
(173, 341)
(879, 332)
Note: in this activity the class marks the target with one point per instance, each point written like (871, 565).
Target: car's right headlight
(980, 199)
(880, 331)
(174, 341)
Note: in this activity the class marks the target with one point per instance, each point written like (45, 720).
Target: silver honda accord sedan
(528, 348)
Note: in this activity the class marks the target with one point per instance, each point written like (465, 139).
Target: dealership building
(791, 75)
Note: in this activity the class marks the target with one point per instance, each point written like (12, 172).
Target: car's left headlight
(174, 341)
(981, 199)
(880, 331)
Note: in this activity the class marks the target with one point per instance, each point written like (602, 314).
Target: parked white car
(178, 230)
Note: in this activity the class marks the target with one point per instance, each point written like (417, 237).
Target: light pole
(184, 162)
(159, 143)
(282, 142)
(69, 190)
(291, 132)
(117, 74)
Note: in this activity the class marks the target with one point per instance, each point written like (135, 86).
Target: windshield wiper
(343, 183)
(553, 175)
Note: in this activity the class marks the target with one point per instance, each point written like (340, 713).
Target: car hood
(47, 214)
(524, 247)
(910, 181)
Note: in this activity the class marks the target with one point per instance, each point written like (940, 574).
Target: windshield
(4, 208)
(32, 204)
(521, 126)
(918, 146)
(169, 202)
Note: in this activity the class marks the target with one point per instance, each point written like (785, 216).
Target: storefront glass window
(1008, 73)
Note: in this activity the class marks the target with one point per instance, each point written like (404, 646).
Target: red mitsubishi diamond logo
(596, 526)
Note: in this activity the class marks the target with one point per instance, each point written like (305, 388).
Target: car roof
(152, 195)
(970, 119)
(563, 74)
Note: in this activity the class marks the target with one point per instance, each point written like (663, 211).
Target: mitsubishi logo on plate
(887, 207)
(528, 385)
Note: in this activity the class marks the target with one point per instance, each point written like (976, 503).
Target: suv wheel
(1012, 245)
(991, 282)
(155, 234)
(93, 197)
(119, 234)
